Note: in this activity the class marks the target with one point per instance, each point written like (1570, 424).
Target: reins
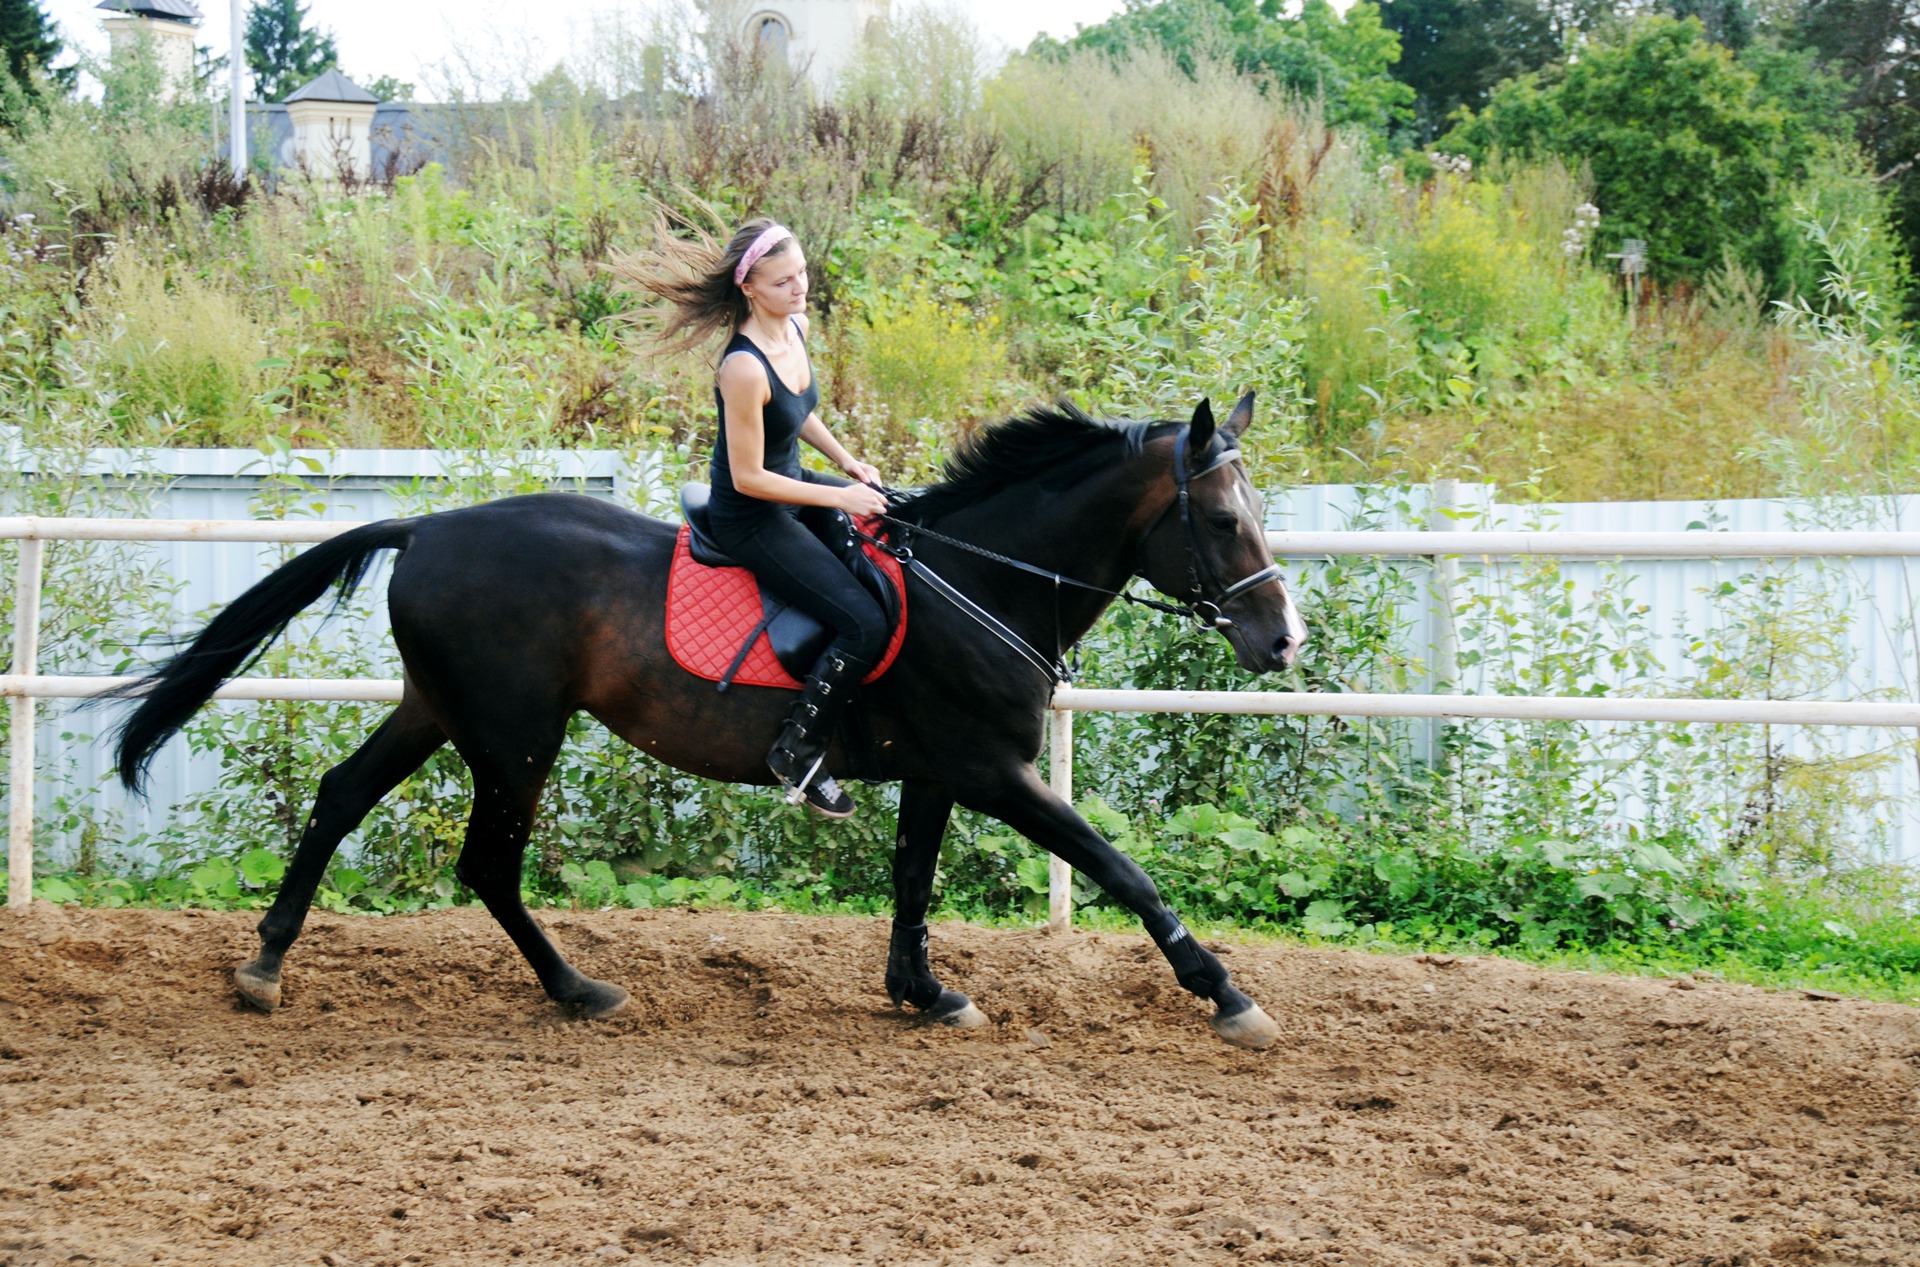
(1196, 610)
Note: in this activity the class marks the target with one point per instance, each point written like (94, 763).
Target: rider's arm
(743, 387)
(815, 433)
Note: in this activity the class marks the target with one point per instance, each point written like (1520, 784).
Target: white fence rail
(24, 686)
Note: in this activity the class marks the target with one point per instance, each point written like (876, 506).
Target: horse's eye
(1223, 523)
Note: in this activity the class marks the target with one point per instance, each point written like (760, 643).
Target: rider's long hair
(689, 272)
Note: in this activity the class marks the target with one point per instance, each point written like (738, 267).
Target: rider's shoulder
(806, 326)
(741, 370)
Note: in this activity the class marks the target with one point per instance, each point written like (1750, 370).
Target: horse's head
(1209, 550)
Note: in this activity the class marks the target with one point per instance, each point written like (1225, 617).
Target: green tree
(28, 42)
(1453, 52)
(1345, 59)
(390, 88)
(283, 52)
(1687, 151)
(1875, 46)
(1349, 58)
(1728, 22)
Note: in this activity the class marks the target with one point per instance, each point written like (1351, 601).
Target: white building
(824, 34)
(333, 130)
(167, 27)
(332, 126)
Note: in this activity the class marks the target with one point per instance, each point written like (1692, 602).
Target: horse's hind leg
(404, 740)
(507, 779)
(924, 809)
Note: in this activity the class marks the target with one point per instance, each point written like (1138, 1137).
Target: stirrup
(820, 794)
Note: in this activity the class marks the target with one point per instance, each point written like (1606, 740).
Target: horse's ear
(1201, 428)
(1237, 420)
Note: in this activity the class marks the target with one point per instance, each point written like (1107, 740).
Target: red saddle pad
(710, 612)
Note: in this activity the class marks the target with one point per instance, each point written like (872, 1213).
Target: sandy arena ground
(418, 1101)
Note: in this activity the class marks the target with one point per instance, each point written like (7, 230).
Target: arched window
(772, 35)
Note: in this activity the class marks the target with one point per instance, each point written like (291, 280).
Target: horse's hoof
(599, 999)
(956, 1010)
(257, 989)
(1250, 1028)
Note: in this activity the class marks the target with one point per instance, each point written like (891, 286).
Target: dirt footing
(417, 1100)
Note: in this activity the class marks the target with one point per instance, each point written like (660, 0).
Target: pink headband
(769, 237)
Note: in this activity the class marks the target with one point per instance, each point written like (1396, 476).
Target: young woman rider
(755, 290)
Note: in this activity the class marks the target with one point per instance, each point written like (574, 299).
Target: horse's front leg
(924, 808)
(1027, 805)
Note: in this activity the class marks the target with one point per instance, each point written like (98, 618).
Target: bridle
(1208, 613)
(1198, 605)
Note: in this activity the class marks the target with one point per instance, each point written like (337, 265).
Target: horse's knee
(1134, 888)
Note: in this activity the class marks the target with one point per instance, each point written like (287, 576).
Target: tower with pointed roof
(165, 26)
(332, 120)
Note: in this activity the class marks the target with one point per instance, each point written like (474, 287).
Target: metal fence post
(1443, 672)
(26, 657)
(1060, 778)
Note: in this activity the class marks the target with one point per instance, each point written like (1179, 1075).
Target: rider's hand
(862, 473)
(862, 502)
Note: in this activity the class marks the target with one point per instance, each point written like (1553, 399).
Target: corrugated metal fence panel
(1871, 601)
(1877, 595)
(358, 484)
(1874, 599)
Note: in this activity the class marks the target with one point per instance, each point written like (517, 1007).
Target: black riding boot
(802, 746)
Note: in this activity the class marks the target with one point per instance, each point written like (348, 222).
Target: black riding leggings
(797, 567)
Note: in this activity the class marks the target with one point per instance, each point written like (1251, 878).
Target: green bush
(1687, 153)
(189, 360)
(1204, 324)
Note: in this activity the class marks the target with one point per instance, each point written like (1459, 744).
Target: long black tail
(237, 637)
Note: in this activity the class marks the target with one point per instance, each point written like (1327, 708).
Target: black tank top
(781, 420)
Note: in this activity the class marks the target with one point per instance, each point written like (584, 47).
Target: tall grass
(187, 357)
(980, 241)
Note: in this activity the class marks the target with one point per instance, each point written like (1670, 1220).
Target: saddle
(723, 627)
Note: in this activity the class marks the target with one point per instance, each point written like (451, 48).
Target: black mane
(1058, 440)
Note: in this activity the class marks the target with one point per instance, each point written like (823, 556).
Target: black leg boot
(802, 746)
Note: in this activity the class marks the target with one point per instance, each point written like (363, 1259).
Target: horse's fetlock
(1195, 967)
(908, 976)
(919, 989)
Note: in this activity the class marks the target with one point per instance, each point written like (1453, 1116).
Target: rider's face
(780, 282)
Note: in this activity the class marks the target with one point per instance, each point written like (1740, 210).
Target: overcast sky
(409, 38)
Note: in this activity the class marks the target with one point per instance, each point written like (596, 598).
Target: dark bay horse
(512, 616)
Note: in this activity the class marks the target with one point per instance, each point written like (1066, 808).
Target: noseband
(1201, 609)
